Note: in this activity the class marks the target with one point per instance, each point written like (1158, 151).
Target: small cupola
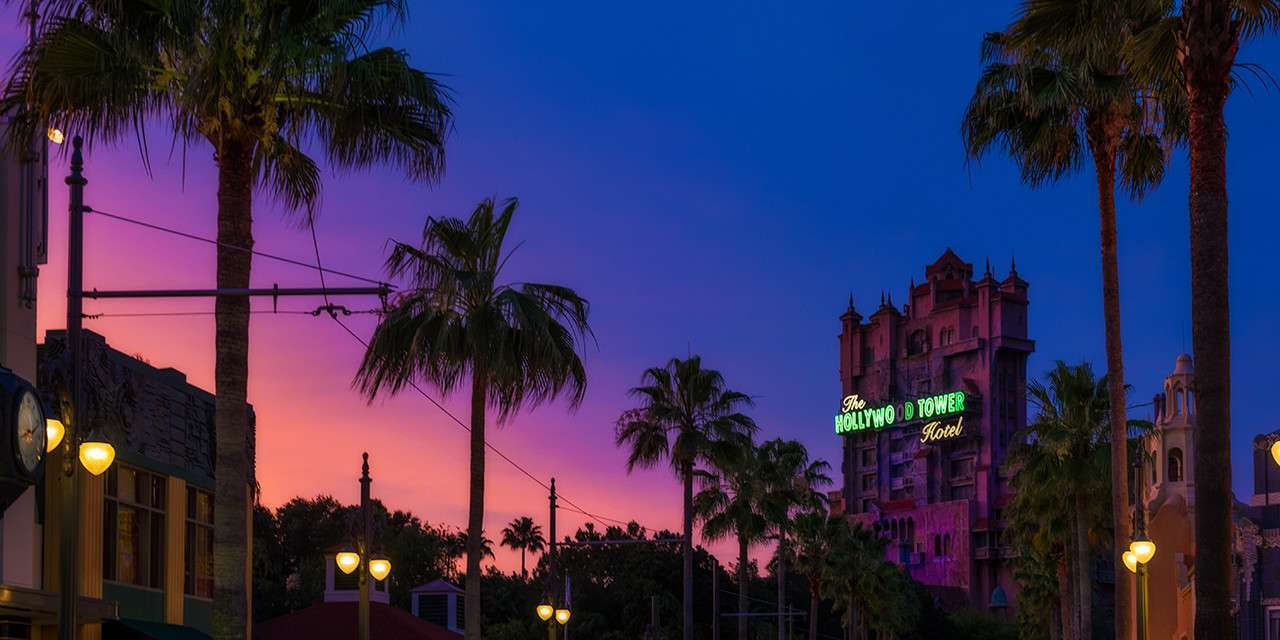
(440, 603)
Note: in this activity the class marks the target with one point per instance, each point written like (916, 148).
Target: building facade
(933, 392)
(147, 546)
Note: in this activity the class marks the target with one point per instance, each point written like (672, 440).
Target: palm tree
(524, 535)
(1061, 458)
(517, 344)
(688, 416)
(854, 557)
(1197, 52)
(257, 80)
(794, 483)
(1057, 87)
(812, 535)
(733, 502)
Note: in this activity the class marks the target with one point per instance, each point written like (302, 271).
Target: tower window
(1175, 465)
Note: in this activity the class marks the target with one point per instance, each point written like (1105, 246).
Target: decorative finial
(364, 469)
(988, 271)
(851, 301)
(882, 297)
(1013, 266)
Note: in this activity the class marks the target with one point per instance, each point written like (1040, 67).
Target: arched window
(1175, 465)
(1190, 402)
(917, 342)
(946, 545)
(937, 545)
(893, 529)
(1177, 402)
(911, 530)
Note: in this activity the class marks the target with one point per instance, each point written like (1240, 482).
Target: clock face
(30, 431)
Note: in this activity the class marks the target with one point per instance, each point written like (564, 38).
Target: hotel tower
(932, 394)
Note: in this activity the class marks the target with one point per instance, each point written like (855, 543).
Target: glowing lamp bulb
(97, 456)
(379, 568)
(349, 560)
(55, 135)
(1275, 451)
(545, 611)
(562, 616)
(53, 430)
(1143, 550)
(1130, 561)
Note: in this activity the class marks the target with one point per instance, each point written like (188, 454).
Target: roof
(438, 585)
(337, 621)
(130, 629)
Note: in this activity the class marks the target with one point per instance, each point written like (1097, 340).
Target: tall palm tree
(257, 80)
(733, 503)
(524, 535)
(689, 417)
(1060, 458)
(812, 536)
(1057, 88)
(1197, 51)
(794, 483)
(516, 344)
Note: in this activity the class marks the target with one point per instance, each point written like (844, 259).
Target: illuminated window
(199, 547)
(133, 527)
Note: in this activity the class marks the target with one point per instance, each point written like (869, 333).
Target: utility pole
(69, 527)
(551, 564)
(364, 549)
(715, 598)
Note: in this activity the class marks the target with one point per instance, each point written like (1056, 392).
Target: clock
(29, 429)
(22, 437)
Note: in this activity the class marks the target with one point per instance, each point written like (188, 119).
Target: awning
(131, 629)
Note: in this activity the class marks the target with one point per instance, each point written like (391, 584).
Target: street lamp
(545, 611)
(53, 432)
(376, 566)
(96, 456)
(1141, 551)
(562, 616)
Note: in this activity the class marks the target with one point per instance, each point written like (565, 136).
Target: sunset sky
(716, 180)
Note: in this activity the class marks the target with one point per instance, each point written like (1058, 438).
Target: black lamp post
(369, 565)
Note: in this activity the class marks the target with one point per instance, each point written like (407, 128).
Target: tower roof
(1183, 365)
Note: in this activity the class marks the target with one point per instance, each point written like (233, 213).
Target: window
(434, 608)
(133, 527)
(962, 492)
(460, 612)
(962, 468)
(868, 457)
(868, 482)
(199, 548)
(1175, 465)
(866, 505)
(917, 342)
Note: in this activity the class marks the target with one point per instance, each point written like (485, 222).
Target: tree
(688, 416)
(257, 80)
(812, 534)
(524, 535)
(794, 483)
(853, 561)
(518, 344)
(1062, 459)
(1057, 86)
(732, 502)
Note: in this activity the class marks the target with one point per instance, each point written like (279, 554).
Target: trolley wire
(334, 312)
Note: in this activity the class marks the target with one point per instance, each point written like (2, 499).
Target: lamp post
(1141, 550)
(94, 454)
(363, 559)
(547, 611)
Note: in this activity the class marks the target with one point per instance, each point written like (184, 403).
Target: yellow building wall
(1171, 529)
(175, 547)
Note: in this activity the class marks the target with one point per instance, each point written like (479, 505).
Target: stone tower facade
(924, 473)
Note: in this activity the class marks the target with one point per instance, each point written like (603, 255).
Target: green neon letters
(856, 416)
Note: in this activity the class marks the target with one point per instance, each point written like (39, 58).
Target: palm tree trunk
(231, 381)
(1211, 41)
(1083, 583)
(814, 599)
(743, 583)
(686, 601)
(523, 572)
(1104, 140)
(782, 587)
(475, 515)
(1066, 601)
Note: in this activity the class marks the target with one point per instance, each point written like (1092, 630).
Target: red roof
(337, 621)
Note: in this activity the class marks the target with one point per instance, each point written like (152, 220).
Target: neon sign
(855, 415)
(937, 431)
